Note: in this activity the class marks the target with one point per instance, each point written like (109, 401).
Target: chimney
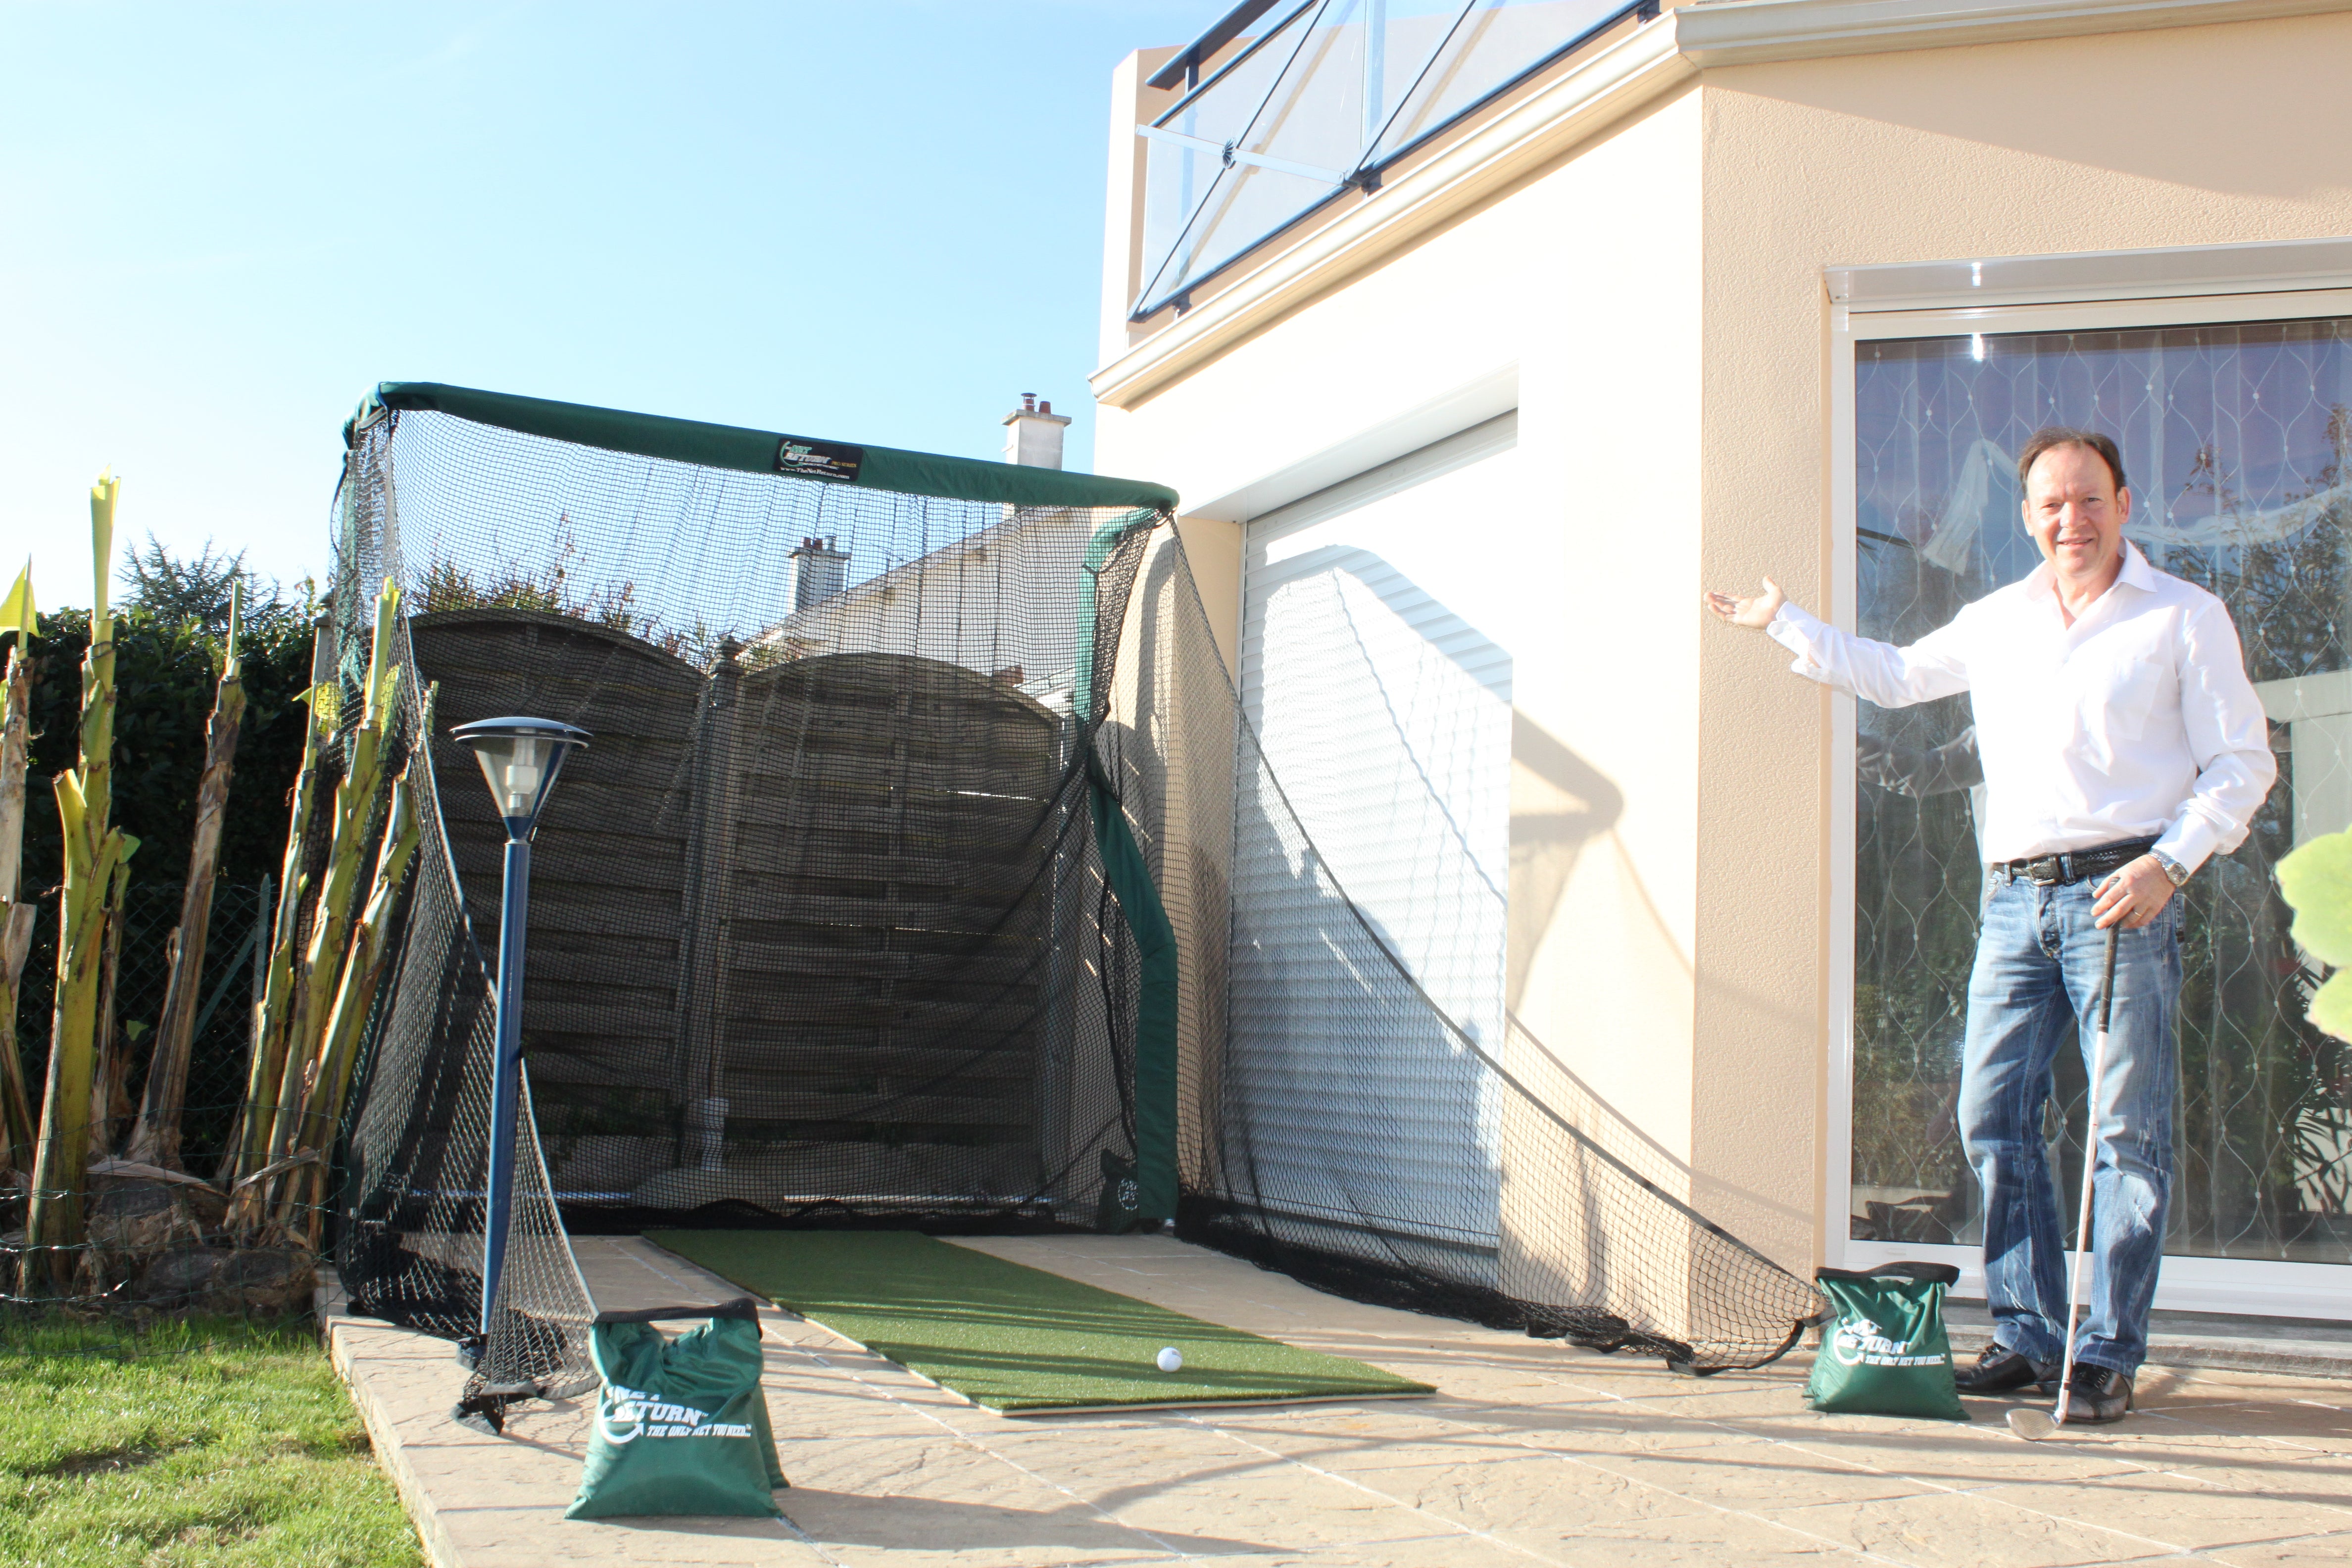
(1032, 434)
(819, 572)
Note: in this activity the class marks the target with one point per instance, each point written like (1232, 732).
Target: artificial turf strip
(1015, 1339)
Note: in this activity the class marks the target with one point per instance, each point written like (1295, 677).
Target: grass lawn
(218, 1442)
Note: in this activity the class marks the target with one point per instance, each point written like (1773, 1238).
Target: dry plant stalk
(249, 1144)
(109, 1100)
(18, 617)
(16, 1098)
(94, 851)
(156, 1140)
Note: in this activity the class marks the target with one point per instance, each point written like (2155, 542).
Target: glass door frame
(2237, 1285)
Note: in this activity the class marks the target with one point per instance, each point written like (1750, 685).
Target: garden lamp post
(520, 758)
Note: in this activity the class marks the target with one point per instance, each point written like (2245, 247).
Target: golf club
(2033, 1424)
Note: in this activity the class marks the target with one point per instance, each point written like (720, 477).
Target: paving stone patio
(1530, 1453)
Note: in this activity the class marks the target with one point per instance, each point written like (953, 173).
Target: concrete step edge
(331, 1305)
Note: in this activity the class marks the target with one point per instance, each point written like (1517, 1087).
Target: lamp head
(520, 758)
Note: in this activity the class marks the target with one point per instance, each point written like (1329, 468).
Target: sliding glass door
(2238, 439)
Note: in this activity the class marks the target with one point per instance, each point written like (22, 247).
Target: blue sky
(873, 220)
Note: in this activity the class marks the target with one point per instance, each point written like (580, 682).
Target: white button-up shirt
(2136, 722)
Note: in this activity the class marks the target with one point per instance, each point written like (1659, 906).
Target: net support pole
(506, 1074)
(1139, 903)
(1155, 1013)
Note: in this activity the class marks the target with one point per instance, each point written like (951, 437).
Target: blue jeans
(2035, 986)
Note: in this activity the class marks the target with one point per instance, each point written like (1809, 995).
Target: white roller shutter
(1385, 712)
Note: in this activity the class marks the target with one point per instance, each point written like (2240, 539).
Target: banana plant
(249, 1144)
(352, 826)
(17, 619)
(156, 1139)
(110, 1059)
(362, 974)
(95, 852)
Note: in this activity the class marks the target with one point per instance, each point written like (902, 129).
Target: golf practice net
(896, 888)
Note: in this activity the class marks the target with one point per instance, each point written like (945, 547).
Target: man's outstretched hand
(1754, 614)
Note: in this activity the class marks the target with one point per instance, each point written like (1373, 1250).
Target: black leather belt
(2057, 871)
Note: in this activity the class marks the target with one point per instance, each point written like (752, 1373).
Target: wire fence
(155, 1241)
(224, 1029)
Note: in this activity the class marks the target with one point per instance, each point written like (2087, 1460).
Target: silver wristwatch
(2174, 870)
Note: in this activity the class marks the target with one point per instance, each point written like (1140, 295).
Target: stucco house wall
(1648, 278)
(1604, 784)
(2183, 136)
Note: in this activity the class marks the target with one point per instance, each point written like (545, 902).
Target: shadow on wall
(1613, 941)
(1614, 967)
(1594, 959)
(1559, 803)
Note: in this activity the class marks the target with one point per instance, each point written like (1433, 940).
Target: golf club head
(2031, 1424)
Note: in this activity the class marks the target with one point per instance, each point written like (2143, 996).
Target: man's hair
(2051, 435)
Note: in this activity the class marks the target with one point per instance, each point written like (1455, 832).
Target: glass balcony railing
(1326, 95)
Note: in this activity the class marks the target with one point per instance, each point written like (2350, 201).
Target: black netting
(819, 931)
(840, 919)
(1521, 1200)
(224, 1016)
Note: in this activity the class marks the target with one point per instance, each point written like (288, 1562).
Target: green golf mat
(1016, 1339)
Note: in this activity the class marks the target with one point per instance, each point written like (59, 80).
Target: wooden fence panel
(819, 891)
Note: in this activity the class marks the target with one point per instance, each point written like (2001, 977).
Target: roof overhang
(1750, 32)
(1615, 82)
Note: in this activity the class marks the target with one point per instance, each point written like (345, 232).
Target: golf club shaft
(2089, 1165)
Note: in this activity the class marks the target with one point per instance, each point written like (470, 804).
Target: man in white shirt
(2121, 744)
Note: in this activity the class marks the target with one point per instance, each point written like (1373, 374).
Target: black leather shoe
(2000, 1369)
(2097, 1395)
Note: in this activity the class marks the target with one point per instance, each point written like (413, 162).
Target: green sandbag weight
(1886, 1352)
(681, 1425)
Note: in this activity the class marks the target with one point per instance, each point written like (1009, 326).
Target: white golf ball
(1171, 1358)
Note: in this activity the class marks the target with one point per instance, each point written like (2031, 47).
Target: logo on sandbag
(629, 1414)
(1861, 1343)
